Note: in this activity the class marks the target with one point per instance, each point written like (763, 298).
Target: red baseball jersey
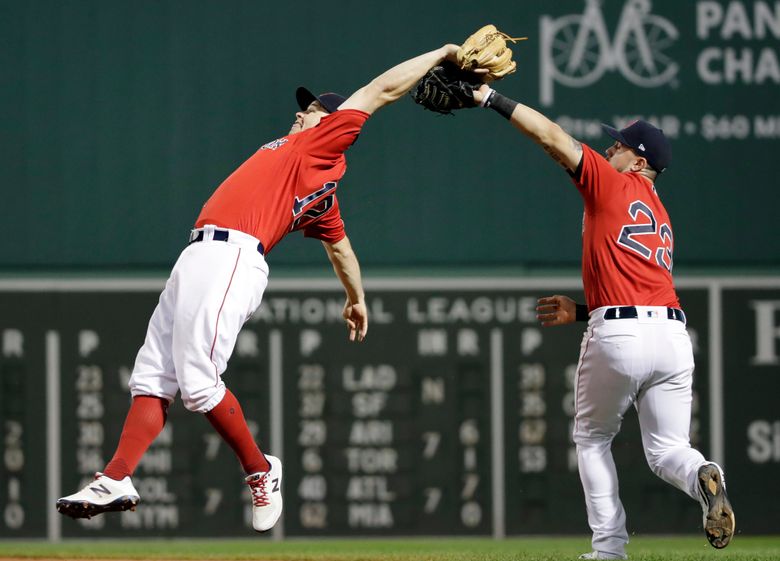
(627, 240)
(289, 184)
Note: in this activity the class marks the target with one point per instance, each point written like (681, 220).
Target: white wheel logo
(576, 50)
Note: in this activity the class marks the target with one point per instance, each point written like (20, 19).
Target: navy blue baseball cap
(330, 101)
(646, 140)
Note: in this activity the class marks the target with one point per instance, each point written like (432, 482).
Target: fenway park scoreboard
(452, 418)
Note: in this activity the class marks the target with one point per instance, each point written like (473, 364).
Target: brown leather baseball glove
(487, 49)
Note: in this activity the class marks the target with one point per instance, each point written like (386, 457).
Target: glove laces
(491, 36)
(257, 487)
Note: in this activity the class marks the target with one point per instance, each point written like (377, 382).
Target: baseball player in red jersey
(218, 282)
(636, 349)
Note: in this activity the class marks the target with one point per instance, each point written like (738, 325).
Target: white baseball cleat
(602, 555)
(101, 495)
(266, 488)
(719, 522)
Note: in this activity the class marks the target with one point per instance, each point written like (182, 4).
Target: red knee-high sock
(228, 419)
(144, 422)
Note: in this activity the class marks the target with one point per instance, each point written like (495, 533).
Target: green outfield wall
(452, 418)
(120, 118)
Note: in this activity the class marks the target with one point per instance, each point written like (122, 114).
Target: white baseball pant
(213, 289)
(646, 361)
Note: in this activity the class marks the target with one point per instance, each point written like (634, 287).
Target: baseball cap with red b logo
(646, 140)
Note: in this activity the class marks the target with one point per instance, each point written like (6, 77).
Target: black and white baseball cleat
(101, 495)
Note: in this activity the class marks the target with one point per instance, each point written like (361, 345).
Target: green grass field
(433, 549)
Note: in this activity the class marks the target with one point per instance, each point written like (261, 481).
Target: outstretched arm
(550, 136)
(347, 269)
(394, 83)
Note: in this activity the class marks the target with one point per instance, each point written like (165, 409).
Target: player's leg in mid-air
(112, 489)
(216, 304)
(190, 338)
(153, 385)
(215, 307)
(664, 409)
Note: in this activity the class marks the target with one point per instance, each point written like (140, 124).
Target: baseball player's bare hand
(450, 53)
(356, 316)
(480, 94)
(556, 310)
